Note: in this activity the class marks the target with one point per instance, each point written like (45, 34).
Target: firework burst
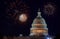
(15, 8)
(49, 8)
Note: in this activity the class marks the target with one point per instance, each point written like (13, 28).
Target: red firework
(49, 8)
(15, 8)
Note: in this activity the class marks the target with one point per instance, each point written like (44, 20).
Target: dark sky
(9, 27)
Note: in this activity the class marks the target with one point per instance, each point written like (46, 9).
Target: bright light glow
(21, 35)
(23, 17)
(49, 38)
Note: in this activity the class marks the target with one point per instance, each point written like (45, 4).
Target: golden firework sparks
(23, 17)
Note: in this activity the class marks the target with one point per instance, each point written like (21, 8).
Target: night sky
(11, 9)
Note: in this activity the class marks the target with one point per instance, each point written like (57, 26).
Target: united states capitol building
(38, 30)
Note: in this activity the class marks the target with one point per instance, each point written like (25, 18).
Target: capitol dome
(39, 25)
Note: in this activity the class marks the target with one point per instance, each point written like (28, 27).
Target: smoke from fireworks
(49, 9)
